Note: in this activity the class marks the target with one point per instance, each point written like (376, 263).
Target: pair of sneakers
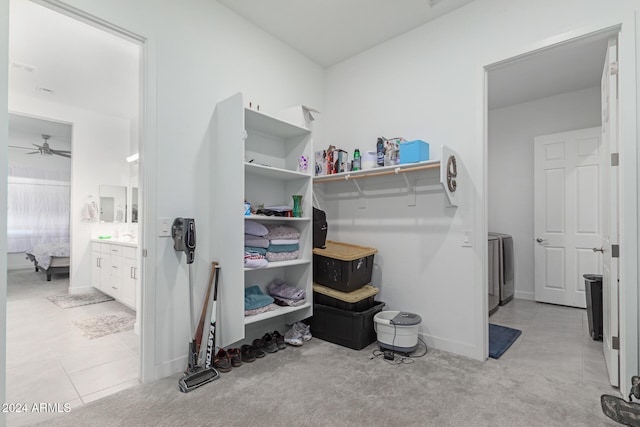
(298, 334)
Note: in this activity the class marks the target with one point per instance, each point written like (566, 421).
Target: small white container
(397, 330)
(368, 160)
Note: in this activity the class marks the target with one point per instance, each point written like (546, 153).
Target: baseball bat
(205, 306)
(211, 342)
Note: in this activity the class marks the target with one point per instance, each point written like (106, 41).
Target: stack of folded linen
(285, 294)
(256, 302)
(255, 244)
(284, 243)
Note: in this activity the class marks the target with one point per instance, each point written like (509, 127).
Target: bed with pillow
(50, 258)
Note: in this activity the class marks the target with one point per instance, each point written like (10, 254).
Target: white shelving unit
(257, 154)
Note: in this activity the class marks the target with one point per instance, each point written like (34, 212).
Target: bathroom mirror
(113, 203)
(134, 204)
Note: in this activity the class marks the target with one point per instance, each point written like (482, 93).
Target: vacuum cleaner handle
(183, 231)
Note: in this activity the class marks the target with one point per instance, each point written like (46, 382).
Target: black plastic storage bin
(343, 266)
(353, 329)
(593, 288)
(359, 300)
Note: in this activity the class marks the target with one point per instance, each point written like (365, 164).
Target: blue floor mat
(500, 339)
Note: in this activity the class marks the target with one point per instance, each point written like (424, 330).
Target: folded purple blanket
(279, 288)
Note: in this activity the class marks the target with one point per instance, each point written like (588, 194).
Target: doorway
(88, 75)
(544, 92)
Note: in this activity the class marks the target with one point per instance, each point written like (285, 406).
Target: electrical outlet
(164, 227)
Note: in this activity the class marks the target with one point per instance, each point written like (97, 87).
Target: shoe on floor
(305, 330)
(270, 345)
(247, 353)
(222, 361)
(293, 337)
(235, 357)
(258, 348)
(621, 411)
(279, 339)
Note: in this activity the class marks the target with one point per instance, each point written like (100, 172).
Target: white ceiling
(83, 66)
(330, 31)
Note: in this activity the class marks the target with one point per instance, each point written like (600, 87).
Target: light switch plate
(466, 239)
(164, 227)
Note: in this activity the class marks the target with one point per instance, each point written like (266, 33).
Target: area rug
(77, 300)
(500, 339)
(105, 325)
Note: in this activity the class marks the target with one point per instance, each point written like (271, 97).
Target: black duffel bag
(319, 228)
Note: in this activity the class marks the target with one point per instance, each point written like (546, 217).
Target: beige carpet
(321, 384)
(105, 325)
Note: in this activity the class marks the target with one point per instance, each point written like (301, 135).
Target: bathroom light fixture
(133, 158)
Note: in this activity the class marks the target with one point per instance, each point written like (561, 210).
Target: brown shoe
(235, 356)
(222, 361)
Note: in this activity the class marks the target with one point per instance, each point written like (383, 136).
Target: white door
(568, 187)
(610, 282)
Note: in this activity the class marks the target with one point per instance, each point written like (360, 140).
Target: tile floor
(49, 359)
(555, 342)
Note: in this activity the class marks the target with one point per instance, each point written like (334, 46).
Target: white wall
(510, 175)
(198, 53)
(4, 138)
(425, 84)
(100, 145)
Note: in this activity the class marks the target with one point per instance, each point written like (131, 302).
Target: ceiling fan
(45, 149)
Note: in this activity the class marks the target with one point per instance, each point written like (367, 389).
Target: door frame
(625, 29)
(147, 185)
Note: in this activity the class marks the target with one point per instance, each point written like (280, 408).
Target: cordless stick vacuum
(183, 232)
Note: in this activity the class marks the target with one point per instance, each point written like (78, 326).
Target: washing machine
(506, 269)
(493, 270)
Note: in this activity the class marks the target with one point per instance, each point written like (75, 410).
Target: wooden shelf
(280, 311)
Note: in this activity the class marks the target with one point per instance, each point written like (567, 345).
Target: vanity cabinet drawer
(129, 252)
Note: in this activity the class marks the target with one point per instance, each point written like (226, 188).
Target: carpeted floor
(321, 384)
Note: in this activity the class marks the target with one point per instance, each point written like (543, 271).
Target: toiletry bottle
(356, 160)
(380, 152)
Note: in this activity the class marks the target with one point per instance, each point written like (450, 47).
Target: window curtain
(38, 203)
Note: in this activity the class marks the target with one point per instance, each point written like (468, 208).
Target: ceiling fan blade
(34, 152)
(58, 153)
(22, 148)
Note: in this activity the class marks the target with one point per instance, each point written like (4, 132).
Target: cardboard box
(414, 151)
(320, 164)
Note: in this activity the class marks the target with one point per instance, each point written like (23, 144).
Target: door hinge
(614, 68)
(144, 253)
(615, 159)
(615, 251)
(615, 343)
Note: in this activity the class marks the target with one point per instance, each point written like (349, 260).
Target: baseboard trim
(81, 289)
(525, 295)
(450, 346)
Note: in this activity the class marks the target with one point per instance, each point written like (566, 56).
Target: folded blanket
(281, 289)
(264, 309)
(255, 241)
(283, 241)
(281, 256)
(283, 248)
(279, 232)
(255, 228)
(254, 250)
(254, 298)
(255, 260)
(289, 302)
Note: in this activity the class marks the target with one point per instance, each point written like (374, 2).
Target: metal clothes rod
(396, 171)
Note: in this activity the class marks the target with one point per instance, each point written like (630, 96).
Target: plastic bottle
(380, 152)
(356, 160)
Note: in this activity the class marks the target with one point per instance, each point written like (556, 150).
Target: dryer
(493, 270)
(506, 270)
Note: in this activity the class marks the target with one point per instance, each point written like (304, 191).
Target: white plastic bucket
(395, 337)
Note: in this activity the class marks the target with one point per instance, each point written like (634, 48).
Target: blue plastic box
(414, 151)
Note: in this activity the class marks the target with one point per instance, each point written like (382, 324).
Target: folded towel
(264, 309)
(255, 228)
(283, 242)
(283, 248)
(278, 232)
(255, 260)
(289, 302)
(254, 298)
(281, 256)
(255, 241)
(254, 250)
(280, 288)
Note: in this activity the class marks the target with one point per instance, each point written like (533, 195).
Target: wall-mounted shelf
(278, 264)
(448, 165)
(280, 311)
(262, 218)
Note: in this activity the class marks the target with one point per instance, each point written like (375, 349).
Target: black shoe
(235, 356)
(616, 408)
(270, 345)
(247, 353)
(258, 348)
(279, 339)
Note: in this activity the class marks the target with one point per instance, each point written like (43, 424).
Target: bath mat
(77, 300)
(500, 339)
(106, 325)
